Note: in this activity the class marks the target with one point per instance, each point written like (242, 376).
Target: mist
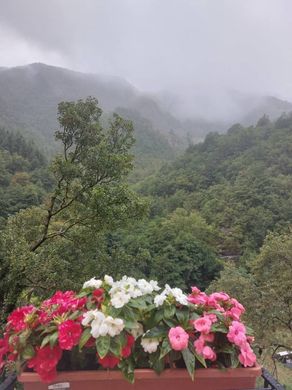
(199, 58)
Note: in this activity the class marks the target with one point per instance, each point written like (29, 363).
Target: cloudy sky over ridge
(178, 45)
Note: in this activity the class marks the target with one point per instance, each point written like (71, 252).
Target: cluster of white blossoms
(97, 283)
(102, 325)
(127, 288)
(150, 345)
(92, 283)
(176, 293)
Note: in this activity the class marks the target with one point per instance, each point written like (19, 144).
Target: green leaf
(158, 316)
(84, 338)
(53, 339)
(165, 348)
(23, 337)
(183, 315)
(217, 327)
(201, 359)
(190, 361)
(28, 352)
(116, 345)
(156, 332)
(103, 345)
(194, 316)
(45, 341)
(234, 360)
(171, 323)
(127, 367)
(169, 311)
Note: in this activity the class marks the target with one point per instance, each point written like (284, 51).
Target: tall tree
(54, 246)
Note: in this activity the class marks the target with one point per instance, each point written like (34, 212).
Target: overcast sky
(175, 45)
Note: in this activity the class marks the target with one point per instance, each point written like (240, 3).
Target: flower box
(169, 379)
(128, 325)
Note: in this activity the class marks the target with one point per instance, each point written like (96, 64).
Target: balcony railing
(270, 383)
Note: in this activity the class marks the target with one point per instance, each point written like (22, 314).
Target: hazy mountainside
(240, 182)
(252, 108)
(29, 96)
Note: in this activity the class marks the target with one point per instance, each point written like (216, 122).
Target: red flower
(109, 361)
(98, 296)
(45, 362)
(127, 349)
(69, 333)
(4, 349)
(90, 343)
(17, 320)
(62, 302)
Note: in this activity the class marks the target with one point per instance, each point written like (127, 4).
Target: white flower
(137, 330)
(144, 286)
(102, 325)
(114, 325)
(88, 317)
(179, 296)
(108, 280)
(92, 283)
(159, 299)
(119, 299)
(150, 345)
(154, 285)
(96, 325)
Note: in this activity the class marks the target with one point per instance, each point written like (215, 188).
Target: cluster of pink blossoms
(231, 310)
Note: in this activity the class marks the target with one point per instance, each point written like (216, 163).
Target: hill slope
(240, 182)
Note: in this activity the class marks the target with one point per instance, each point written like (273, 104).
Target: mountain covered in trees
(30, 94)
(239, 182)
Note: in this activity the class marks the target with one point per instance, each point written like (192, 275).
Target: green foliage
(178, 249)
(264, 289)
(57, 245)
(23, 181)
(240, 182)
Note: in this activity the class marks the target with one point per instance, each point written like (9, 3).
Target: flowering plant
(128, 324)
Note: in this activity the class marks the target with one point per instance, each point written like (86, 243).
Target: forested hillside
(239, 182)
(24, 178)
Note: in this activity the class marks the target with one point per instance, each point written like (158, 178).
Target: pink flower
(178, 338)
(199, 345)
(69, 333)
(209, 354)
(246, 357)
(238, 305)
(197, 297)
(17, 320)
(236, 334)
(212, 317)
(208, 337)
(234, 313)
(203, 324)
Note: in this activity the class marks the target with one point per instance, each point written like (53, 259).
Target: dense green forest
(217, 216)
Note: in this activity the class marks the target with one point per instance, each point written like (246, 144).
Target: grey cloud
(195, 48)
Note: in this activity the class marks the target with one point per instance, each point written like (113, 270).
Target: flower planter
(145, 379)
